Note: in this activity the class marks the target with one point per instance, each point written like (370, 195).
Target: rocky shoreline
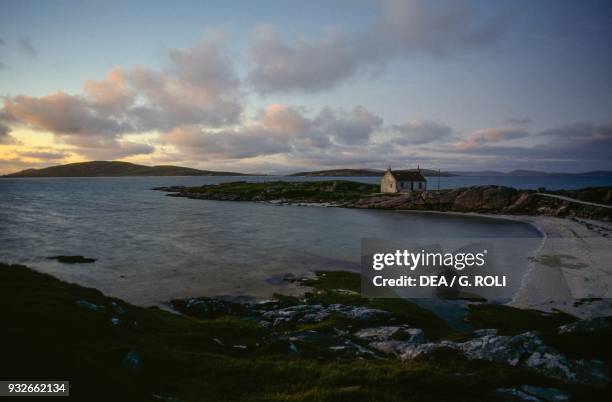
(334, 322)
(330, 339)
(486, 199)
(376, 333)
(475, 199)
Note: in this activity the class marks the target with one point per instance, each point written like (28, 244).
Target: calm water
(152, 248)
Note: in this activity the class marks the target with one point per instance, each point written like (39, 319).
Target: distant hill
(115, 169)
(363, 173)
(523, 173)
(341, 173)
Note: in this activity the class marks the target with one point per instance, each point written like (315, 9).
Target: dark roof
(407, 175)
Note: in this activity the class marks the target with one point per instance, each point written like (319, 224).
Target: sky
(285, 86)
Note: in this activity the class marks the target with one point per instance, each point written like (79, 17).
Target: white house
(402, 181)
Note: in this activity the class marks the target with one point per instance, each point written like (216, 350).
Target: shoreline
(548, 227)
(541, 283)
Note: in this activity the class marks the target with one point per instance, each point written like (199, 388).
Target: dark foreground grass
(52, 330)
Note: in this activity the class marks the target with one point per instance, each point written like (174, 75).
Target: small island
(116, 169)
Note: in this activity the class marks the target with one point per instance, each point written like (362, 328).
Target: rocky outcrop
(525, 350)
(208, 307)
(311, 313)
(402, 332)
(376, 333)
(484, 199)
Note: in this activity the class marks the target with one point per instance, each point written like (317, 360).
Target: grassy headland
(111, 350)
(480, 199)
(332, 191)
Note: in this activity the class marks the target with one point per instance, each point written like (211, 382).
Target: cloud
(5, 137)
(116, 150)
(520, 121)
(279, 129)
(348, 127)
(491, 135)
(579, 131)
(421, 132)
(586, 141)
(579, 145)
(111, 95)
(283, 119)
(234, 144)
(26, 46)
(62, 114)
(44, 155)
(405, 28)
(198, 87)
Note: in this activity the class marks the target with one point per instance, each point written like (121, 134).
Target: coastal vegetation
(336, 191)
(480, 199)
(111, 350)
(602, 195)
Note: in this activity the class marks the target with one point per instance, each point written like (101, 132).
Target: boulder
(311, 313)
(402, 332)
(525, 350)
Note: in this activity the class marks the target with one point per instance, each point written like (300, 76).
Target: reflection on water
(151, 248)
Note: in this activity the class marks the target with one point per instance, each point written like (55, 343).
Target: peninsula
(590, 203)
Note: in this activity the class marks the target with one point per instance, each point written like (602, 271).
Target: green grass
(48, 332)
(320, 191)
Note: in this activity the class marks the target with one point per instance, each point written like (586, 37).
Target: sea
(151, 248)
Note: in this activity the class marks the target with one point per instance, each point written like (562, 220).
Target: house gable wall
(388, 184)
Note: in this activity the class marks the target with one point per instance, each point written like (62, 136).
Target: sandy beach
(570, 271)
(580, 282)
